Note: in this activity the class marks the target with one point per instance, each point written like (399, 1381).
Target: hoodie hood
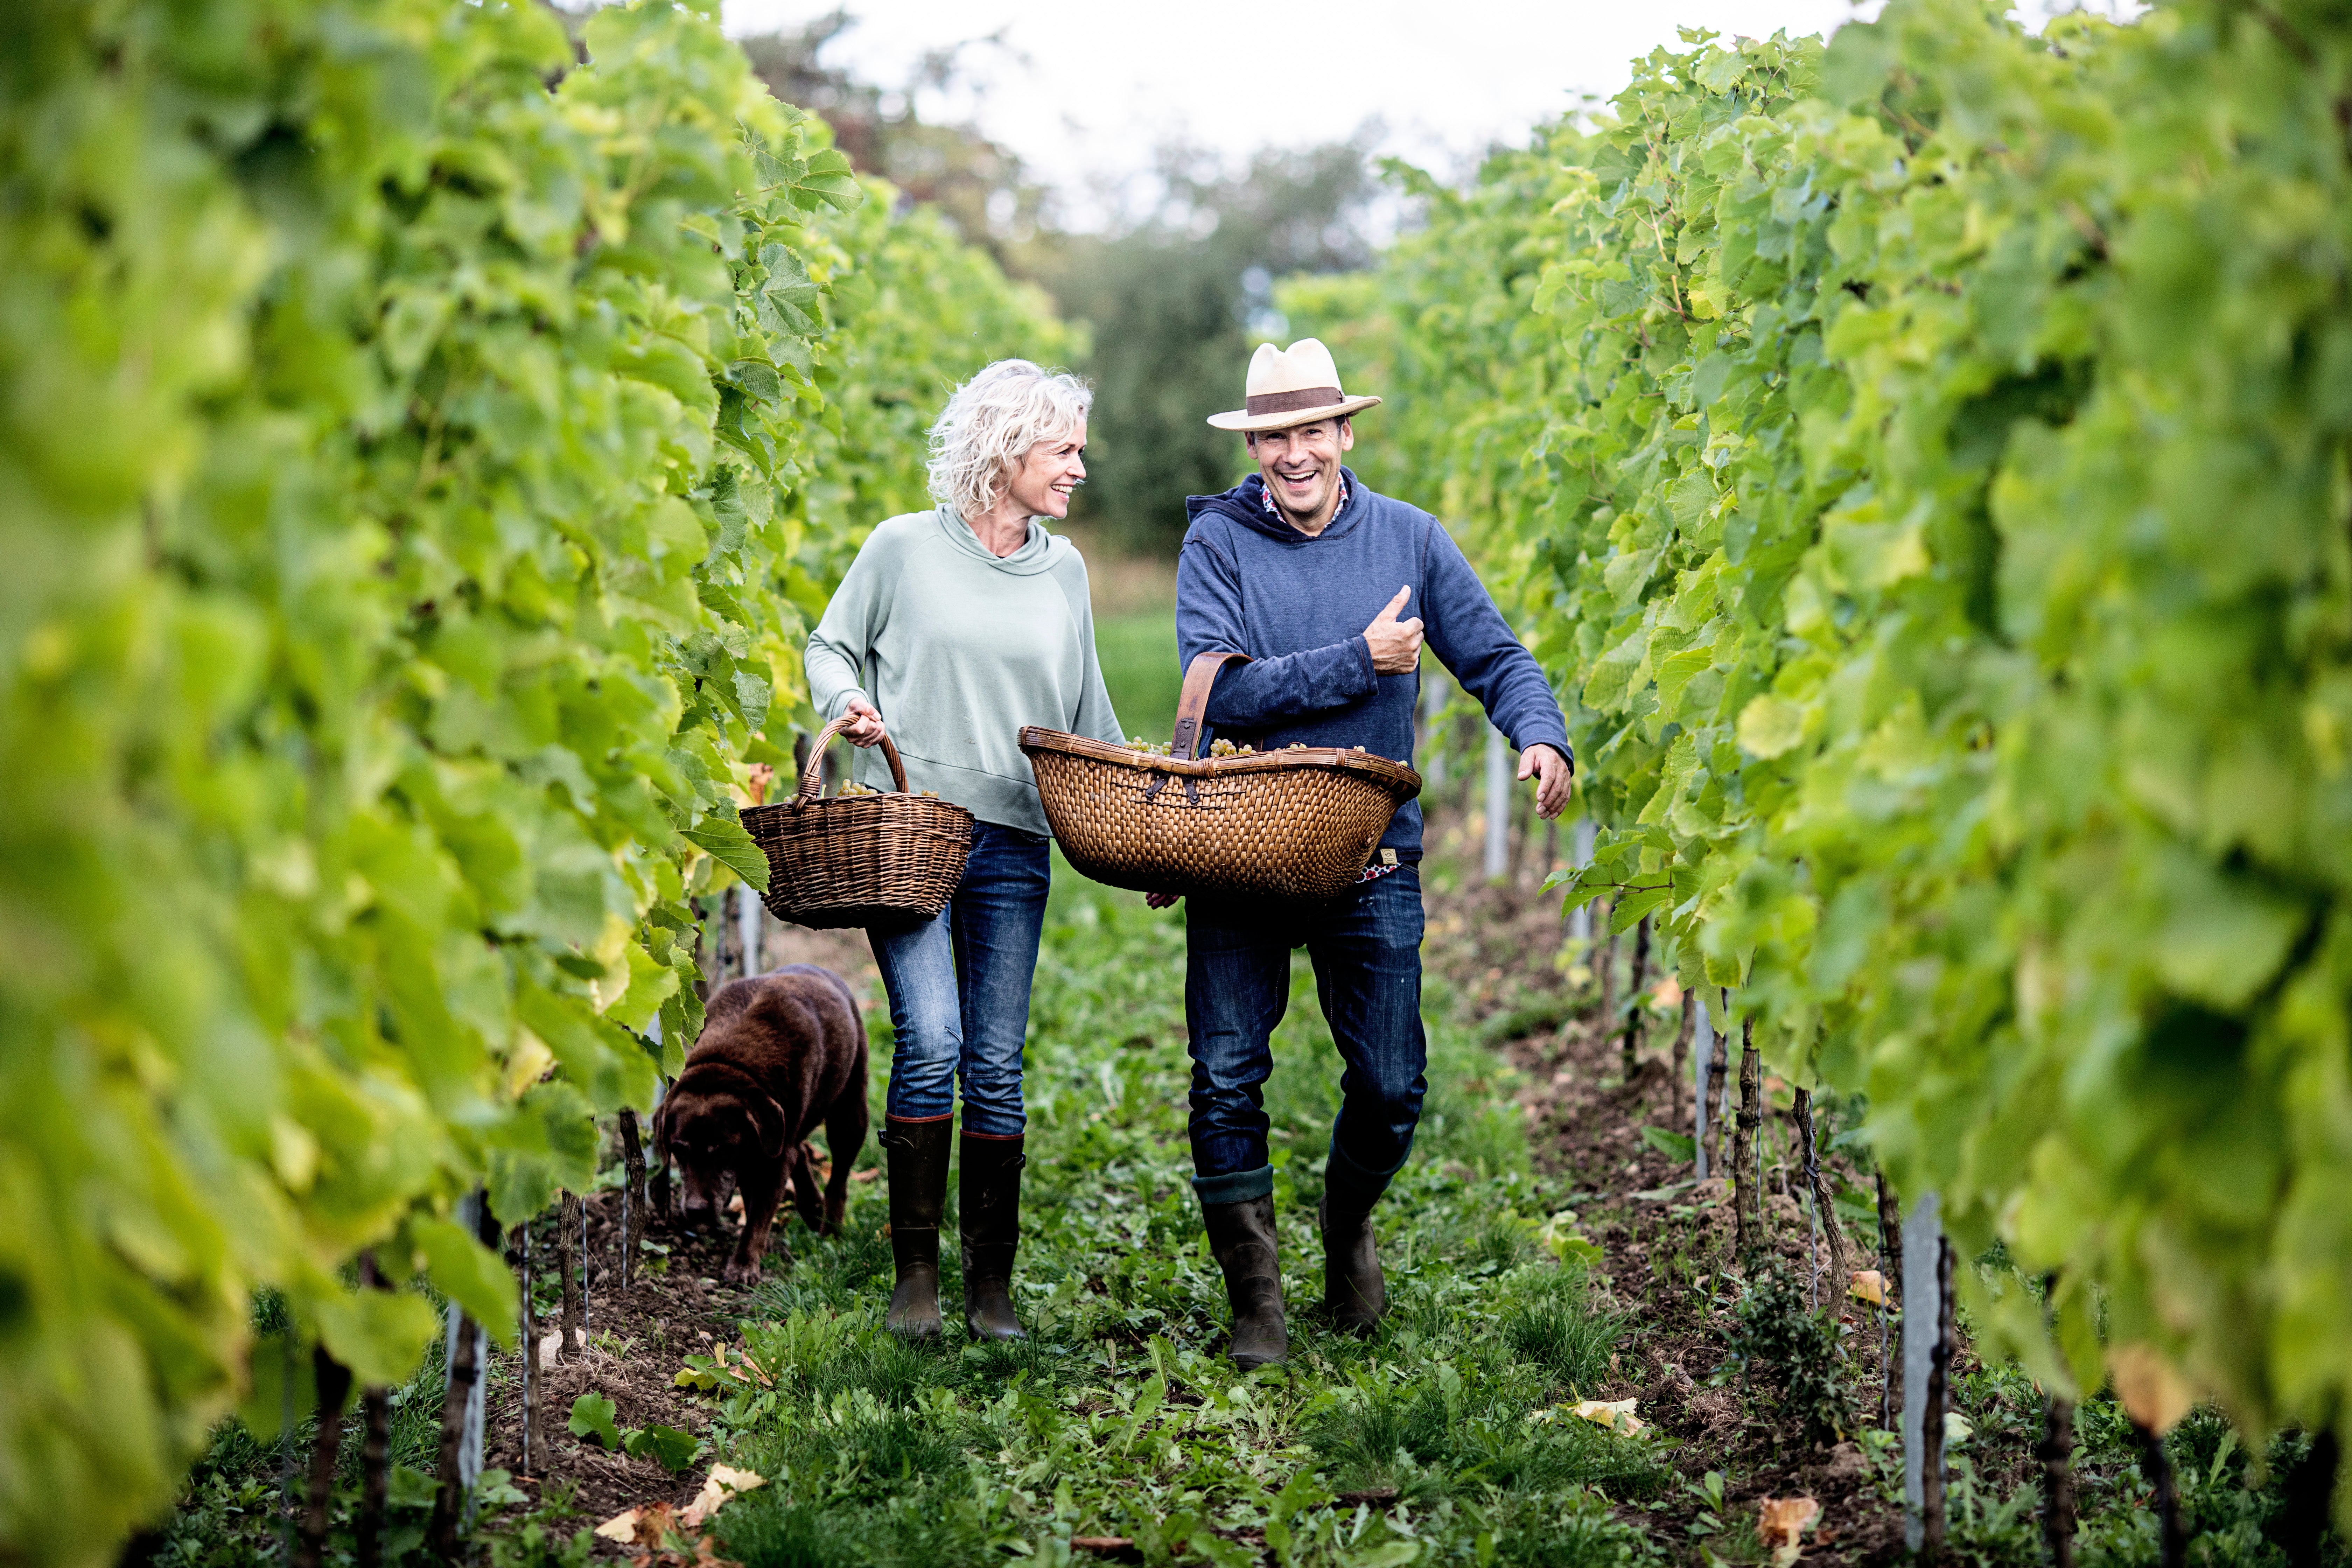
(1037, 554)
(1245, 504)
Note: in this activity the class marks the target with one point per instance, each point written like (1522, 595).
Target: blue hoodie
(1247, 582)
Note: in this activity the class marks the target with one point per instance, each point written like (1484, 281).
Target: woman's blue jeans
(958, 987)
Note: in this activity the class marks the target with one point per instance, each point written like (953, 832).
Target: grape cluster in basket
(1219, 748)
(851, 787)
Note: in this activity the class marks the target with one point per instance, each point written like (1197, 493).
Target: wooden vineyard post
(464, 1375)
(333, 1380)
(528, 1318)
(375, 1450)
(1633, 1015)
(1703, 1064)
(1819, 1198)
(1681, 1058)
(748, 913)
(1926, 1365)
(1608, 967)
(632, 1190)
(1580, 920)
(1746, 1179)
(568, 1263)
(460, 1459)
(658, 1177)
(1717, 1047)
(2056, 1452)
(1933, 1519)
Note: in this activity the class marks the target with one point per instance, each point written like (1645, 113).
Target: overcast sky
(1087, 90)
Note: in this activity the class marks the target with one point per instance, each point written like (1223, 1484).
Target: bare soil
(1666, 1242)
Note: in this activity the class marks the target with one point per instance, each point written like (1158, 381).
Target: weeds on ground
(1431, 1441)
(1780, 1336)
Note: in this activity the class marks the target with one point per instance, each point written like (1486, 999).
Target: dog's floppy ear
(768, 1117)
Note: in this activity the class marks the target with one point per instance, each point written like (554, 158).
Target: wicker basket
(1292, 824)
(859, 859)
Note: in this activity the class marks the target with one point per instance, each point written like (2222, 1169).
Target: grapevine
(409, 467)
(1916, 460)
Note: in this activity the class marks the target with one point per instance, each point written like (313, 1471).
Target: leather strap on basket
(813, 776)
(1192, 705)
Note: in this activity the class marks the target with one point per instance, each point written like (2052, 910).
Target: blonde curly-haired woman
(956, 626)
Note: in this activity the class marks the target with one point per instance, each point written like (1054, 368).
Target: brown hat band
(1292, 401)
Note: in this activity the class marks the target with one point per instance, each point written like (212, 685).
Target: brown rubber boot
(1242, 1238)
(988, 1213)
(1354, 1291)
(917, 1153)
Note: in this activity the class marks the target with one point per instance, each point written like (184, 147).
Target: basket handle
(1192, 705)
(813, 776)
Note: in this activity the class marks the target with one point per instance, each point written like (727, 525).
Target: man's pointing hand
(1395, 643)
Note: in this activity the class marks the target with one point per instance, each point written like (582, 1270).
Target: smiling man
(1329, 590)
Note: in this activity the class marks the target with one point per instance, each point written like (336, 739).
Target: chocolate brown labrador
(779, 1053)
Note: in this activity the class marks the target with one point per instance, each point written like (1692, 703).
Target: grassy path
(1121, 1417)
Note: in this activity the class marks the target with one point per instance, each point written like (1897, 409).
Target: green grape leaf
(592, 1416)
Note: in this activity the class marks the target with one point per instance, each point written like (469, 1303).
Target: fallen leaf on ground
(1870, 1285)
(1780, 1524)
(1615, 1414)
(640, 1526)
(1956, 1428)
(723, 1482)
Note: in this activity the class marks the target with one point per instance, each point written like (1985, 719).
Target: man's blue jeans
(958, 987)
(1366, 949)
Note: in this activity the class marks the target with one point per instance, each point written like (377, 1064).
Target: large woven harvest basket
(859, 859)
(1296, 824)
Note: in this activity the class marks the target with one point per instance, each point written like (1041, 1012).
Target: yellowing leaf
(2150, 1387)
(723, 1482)
(1617, 1414)
(1869, 1285)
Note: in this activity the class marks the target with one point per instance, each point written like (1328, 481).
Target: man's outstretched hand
(1555, 783)
(1395, 643)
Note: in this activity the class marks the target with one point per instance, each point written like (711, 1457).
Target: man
(1331, 590)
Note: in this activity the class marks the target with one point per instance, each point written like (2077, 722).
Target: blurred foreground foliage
(409, 452)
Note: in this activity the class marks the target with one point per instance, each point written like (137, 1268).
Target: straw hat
(1296, 387)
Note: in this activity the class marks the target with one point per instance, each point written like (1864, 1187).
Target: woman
(958, 626)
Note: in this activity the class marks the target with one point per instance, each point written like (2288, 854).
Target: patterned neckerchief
(1265, 500)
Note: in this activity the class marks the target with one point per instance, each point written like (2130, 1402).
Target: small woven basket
(859, 859)
(1296, 825)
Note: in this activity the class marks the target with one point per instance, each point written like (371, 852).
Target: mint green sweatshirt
(958, 650)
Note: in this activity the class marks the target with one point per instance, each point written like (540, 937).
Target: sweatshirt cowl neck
(1037, 553)
(1245, 504)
